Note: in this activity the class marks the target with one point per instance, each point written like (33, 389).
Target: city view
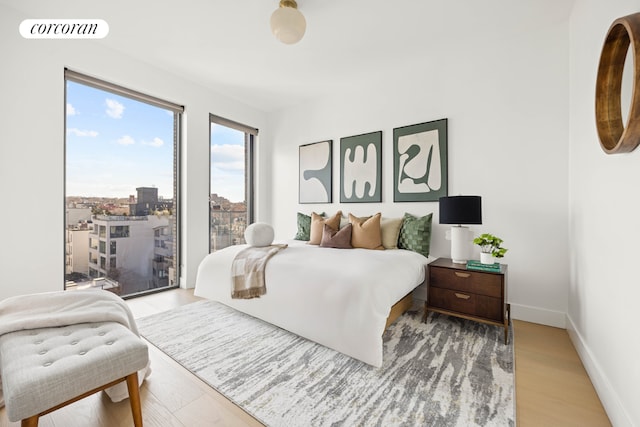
(122, 245)
(120, 231)
(126, 245)
(228, 222)
(228, 199)
(121, 219)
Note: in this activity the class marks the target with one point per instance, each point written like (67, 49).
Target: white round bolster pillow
(259, 234)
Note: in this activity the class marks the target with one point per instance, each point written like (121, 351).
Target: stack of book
(477, 265)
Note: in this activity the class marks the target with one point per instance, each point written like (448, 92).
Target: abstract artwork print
(420, 162)
(361, 168)
(315, 172)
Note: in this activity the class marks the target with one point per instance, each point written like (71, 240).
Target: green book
(477, 262)
(477, 265)
(487, 269)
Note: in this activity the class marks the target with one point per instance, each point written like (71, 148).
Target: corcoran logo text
(64, 28)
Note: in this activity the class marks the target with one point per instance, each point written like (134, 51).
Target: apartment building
(123, 248)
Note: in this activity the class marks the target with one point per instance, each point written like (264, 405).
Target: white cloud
(126, 140)
(229, 166)
(114, 108)
(227, 152)
(157, 142)
(79, 132)
(228, 157)
(70, 110)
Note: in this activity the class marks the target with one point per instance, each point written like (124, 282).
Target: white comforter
(339, 298)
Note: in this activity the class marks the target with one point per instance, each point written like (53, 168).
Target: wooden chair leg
(134, 399)
(31, 421)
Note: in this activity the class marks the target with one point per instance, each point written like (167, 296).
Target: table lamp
(459, 210)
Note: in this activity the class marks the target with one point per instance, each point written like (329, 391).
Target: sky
(227, 163)
(115, 144)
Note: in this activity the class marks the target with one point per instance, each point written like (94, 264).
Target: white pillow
(259, 234)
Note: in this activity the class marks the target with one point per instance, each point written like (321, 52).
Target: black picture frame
(420, 162)
(361, 168)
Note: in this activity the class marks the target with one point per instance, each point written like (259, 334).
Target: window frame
(178, 110)
(250, 136)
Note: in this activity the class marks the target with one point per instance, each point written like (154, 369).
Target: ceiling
(228, 47)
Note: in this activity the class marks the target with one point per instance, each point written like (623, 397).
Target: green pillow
(415, 234)
(304, 227)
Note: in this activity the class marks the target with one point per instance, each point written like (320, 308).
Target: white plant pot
(486, 258)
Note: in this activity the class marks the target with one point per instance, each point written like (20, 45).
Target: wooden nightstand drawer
(454, 290)
(467, 281)
(467, 303)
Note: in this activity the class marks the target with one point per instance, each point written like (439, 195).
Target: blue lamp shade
(461, 210)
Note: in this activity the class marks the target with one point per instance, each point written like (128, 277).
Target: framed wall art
(420, 162)
(361, 168)
(315, 171)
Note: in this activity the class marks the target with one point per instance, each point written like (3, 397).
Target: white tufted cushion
(259, 234)
(42, 368)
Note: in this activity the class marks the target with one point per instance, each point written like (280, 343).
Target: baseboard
(539, 315)
(607, 394)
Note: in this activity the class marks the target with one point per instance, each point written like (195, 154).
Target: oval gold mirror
(623, 37)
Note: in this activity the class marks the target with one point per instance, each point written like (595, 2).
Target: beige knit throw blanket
(247, 270)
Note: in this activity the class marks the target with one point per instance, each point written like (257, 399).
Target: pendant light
(287, 23)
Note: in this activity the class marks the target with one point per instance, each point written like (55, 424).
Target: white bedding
(339, 298)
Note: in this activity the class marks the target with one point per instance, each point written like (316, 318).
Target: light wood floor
(552, 387)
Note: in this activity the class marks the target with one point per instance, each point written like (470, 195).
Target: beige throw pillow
(366, 233)
(390, 228)
(317, 225)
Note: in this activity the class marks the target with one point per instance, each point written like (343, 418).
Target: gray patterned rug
(447, 372)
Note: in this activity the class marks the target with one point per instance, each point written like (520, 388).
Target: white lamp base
(459, 244)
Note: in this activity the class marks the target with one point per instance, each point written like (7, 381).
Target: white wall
(32, 149)
(604, 232)
(507, 105)
(573, 247)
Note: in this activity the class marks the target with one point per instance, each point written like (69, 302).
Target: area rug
(446, 372)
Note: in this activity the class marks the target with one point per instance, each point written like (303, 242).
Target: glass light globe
(288, 25)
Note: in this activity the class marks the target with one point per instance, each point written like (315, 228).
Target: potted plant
(489, 248)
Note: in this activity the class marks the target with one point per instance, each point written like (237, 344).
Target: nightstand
(470, 294)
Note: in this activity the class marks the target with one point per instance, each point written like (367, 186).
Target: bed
(342, 299)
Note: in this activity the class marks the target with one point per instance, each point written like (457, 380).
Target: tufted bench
(48, 368)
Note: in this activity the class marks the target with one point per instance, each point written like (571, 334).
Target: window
(121, 175)
(231, 181)
(119, 231)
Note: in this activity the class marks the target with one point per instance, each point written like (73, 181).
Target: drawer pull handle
(465, 275)
(462, 296)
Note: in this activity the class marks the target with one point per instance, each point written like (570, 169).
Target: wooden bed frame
(399, 308)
